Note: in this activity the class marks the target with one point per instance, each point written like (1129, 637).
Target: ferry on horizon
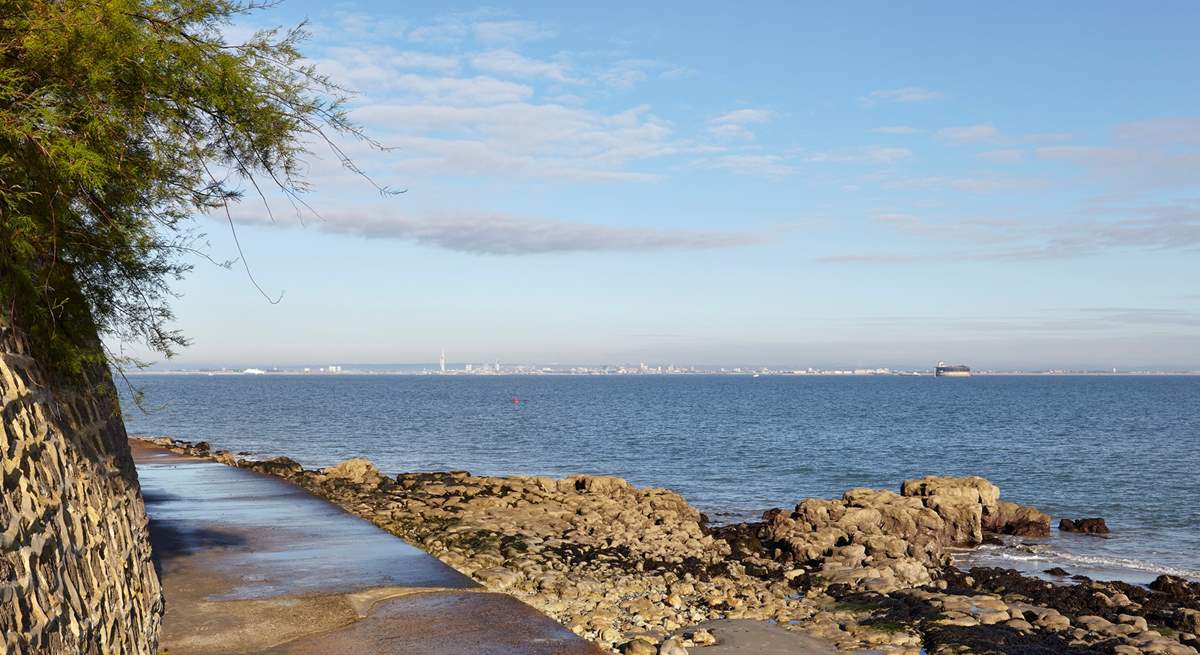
(945, 370)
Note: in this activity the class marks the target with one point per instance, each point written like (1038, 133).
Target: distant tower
(442, 361)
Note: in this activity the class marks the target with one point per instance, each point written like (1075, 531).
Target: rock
(283, 467)
(1054, 622)
(1019, 624)
(991, 617)
(357, 470)
(1187, 620)
(1177, 588)
(701, 637)
(671, 647)
(1057, 571)
(638, 646)
(961, 621)
(1085, 526)
(498, 578)
(1093, 623)
(625, 566)
(1013, 519)
(974, 488)
(1135, 621)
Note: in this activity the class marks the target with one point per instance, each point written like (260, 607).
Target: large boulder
(1018, 520)
(283, 467)
(358, 470)
(878, 540)
(960, 502)
(1086, 526)
(973, 488)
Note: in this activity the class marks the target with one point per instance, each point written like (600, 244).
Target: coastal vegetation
(121, 120)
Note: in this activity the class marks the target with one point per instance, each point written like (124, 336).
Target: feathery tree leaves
(120, 120)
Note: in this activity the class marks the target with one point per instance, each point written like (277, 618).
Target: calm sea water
(1124, 448)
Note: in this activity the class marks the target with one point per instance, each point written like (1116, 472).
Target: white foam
(1046, 553)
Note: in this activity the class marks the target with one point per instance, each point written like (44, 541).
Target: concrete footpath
(253, 564)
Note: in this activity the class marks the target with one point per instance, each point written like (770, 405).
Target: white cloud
(462, 91)
(1144, 156)
(392, 58)
(1003, 156)
(497, 234)
(886, 155)
(750, 164)
(870, 154)
(744, 116)
(627, 73)
(489, 27)
(376, 68)
(507, 32)
(522, 139)
(734, 124)
(507, 62)
(968, 184)
(1148, 228)
(904, 94)
(980, 133)
(1182, 130)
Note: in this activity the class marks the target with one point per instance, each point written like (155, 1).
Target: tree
(120, 120)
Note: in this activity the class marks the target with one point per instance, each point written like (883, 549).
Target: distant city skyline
(1010, 186)
(443, 366)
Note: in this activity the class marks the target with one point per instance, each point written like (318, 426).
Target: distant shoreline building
(945, 370)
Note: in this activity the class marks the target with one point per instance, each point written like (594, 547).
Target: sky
(1013, 185)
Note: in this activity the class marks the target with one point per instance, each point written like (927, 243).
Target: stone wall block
(75, 569)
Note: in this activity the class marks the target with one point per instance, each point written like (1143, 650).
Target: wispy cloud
(485, 26)
(735, 124)
(507, 62)
(954, 183)
(1150, 228)
(1141, 157)
(1180, 130)
(893, 129)
(624, 74)
(498, 234)
(869, 154)
(508, 32)
(980, 133)
(752, 164)
(522, 139)
(1002, 156)
(904, 94)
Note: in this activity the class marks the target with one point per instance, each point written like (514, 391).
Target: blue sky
(1010, 186)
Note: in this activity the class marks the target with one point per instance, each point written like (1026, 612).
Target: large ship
(945, 370)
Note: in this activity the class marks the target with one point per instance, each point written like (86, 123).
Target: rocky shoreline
(635, 569)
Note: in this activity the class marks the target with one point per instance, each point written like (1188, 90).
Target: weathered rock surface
(75, 568)
(1086, 526)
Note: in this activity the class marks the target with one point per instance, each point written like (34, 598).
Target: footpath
(254, 564)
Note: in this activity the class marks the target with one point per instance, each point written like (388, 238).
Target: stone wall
(75, 568)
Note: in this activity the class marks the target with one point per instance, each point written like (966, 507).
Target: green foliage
(120, 120)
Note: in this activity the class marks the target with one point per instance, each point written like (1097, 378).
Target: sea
(1125, 448)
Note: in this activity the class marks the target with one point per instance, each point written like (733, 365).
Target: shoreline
(748, 374)
(633, 569)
